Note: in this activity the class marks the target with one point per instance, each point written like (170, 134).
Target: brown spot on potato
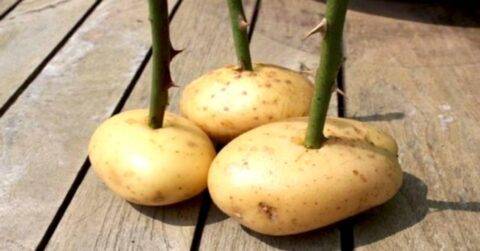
(267, 210)
(288, 81)
(212, 96)
(268, 85)
(255, 118)
(362, 177)
(191, 144)
(244, 93)
(114, 178)
(158, 196)
(226, 109)
(223, 89)
(371, 156)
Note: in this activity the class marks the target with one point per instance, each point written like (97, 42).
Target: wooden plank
(412, 69)
(6, 4)
(114, 223)
(277, 39)
(45, 133)
(29, 33)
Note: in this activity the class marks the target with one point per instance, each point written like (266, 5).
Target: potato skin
(147, 166)
(227, 102)
(268, 181)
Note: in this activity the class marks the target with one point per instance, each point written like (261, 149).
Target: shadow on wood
(380, 117)
(179, 214)
(406, 209)
(307, 241)
(462, 13)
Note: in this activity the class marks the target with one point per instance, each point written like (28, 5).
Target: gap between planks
(9, 9)
(18, 92)
(206, 200)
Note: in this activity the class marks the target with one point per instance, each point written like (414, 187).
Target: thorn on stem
(242, 23)
(174, 52)
(320, 28)
(337, 90)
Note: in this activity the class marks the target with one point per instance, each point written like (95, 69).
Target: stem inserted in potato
(240, 36)
(162, 55)
(330, 61)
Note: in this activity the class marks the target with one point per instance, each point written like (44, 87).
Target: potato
(268, 181)
(227, 101)
(151, 166)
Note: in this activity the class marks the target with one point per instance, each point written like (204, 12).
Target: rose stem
(162, 55)
(240, 36)
(331, 59)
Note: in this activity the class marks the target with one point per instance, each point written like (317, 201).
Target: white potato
(268, 181)
(227, 102)
(151, 166)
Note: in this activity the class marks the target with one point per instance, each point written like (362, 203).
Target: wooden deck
(66, 65)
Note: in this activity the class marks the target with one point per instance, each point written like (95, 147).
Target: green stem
(162, 55)
(240, 36)
(330, 61)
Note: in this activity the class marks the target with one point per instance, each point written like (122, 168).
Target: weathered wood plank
(29, 33)
(45, 133)
(5, 5)
(88, 224)
(277, 39)
(413, 70)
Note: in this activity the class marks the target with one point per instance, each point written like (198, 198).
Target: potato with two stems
(294, 176)
(234, 99)
(153, 158)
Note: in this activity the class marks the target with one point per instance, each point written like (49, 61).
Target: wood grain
(45, 133)
(412, 69)
(29, 33)
(96, 218)
(277, 39)
(5, 5)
